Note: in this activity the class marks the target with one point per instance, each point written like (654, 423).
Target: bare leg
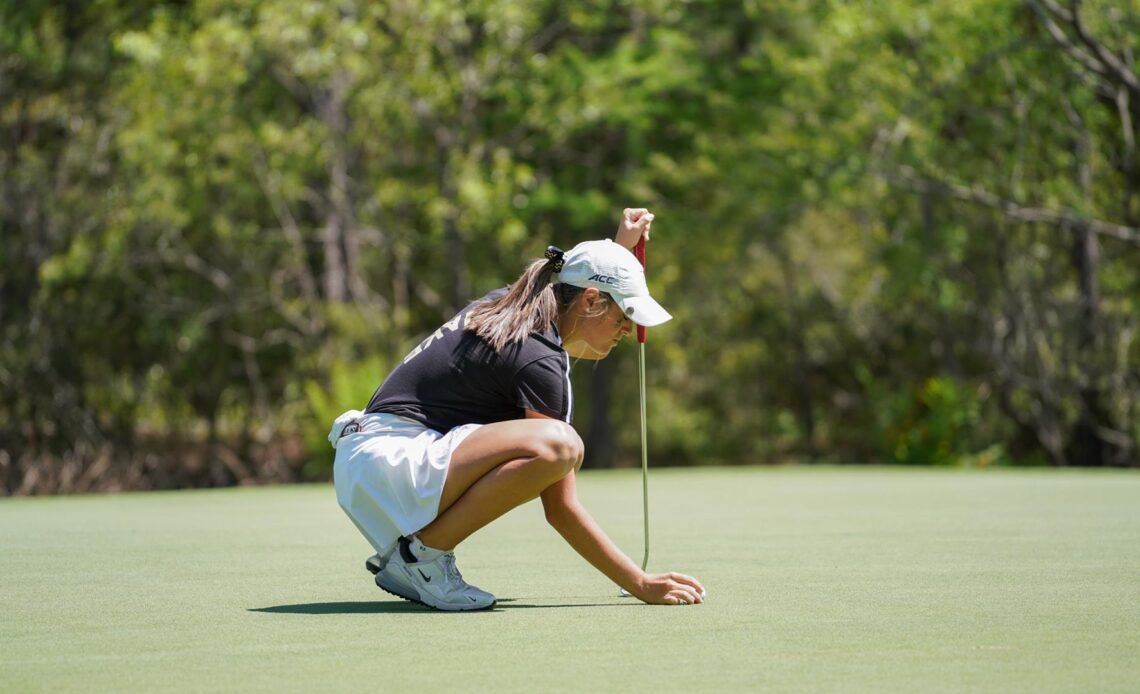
(497, 468)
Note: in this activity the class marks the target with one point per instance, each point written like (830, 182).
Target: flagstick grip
(639, 253)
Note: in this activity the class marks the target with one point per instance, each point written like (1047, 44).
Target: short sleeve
(543, 386)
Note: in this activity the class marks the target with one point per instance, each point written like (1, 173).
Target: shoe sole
(394, 590)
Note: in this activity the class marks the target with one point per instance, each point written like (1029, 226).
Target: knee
(560, 446)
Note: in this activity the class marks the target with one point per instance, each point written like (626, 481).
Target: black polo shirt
(454, 377)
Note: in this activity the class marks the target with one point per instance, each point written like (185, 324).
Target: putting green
(819, 579)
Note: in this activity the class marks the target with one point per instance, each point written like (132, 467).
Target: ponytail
(530, 305)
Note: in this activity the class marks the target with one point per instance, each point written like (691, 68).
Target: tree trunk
(340, 246)
(601, 444)
(801, 361)
(944, 328)
(459, 285)
(1087, 448)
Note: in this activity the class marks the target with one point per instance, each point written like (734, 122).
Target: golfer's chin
(584, 350)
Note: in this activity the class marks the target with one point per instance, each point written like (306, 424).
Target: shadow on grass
(342, 608)
(511, 604)
(390, 607)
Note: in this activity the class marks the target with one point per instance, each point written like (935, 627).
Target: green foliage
(941, 423)
(346, 386)
(868, 216)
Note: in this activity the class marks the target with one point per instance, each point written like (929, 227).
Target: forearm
(574, 523)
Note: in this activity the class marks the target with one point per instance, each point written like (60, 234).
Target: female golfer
(476, 421)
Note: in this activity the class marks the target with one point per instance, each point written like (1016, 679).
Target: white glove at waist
(342, 422)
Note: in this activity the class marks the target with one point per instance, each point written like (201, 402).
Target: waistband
(379, 422)
(356, 422)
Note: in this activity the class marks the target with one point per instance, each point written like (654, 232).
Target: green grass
(818, 579)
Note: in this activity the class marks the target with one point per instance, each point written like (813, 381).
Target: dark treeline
(889, 231)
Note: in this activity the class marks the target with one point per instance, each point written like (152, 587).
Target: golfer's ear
(531, 414)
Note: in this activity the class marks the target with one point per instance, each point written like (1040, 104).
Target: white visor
(643, 310)
(612, 269)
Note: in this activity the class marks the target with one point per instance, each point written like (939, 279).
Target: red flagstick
(639, 252)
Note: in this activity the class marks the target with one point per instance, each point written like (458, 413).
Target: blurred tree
(990, 138)
(56, 70)
(888, 231)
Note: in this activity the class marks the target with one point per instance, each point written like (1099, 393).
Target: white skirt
(389, 475)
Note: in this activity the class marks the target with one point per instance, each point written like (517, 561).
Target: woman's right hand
(634, 226)
(670, 589)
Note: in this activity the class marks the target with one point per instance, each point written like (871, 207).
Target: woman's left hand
(634, 225)
(669, 589)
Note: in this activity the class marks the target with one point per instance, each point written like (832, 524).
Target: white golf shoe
(427, 576)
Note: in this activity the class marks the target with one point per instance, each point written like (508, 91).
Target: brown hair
(530, 305)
